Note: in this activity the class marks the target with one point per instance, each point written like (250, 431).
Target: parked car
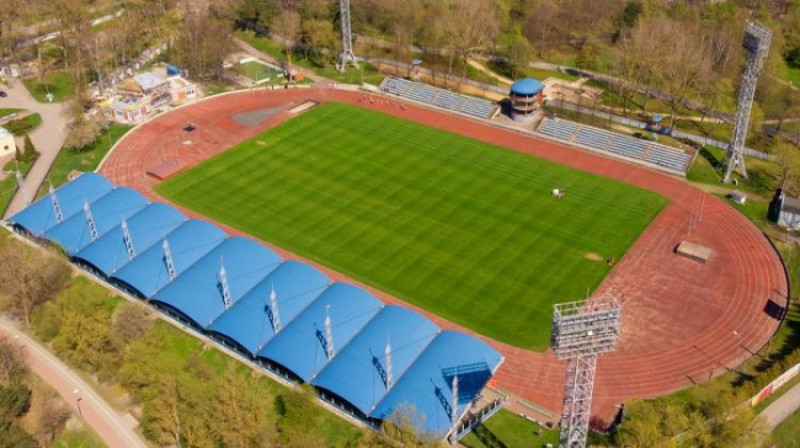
(3, 94)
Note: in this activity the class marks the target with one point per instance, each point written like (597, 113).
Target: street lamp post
(80, 413)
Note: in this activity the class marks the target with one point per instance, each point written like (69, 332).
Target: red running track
(683, 321)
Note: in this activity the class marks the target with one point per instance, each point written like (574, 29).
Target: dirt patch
(593, 256)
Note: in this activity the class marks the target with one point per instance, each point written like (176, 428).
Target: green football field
(466, 230)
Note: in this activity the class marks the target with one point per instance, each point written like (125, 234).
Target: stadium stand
(350, 368)
(148, 227)
(637, 150)
(437, 97)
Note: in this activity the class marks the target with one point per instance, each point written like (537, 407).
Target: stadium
(247, 190)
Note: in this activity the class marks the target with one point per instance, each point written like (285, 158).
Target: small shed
(738, 197)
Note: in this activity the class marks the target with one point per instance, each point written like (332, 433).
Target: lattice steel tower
(581, 332)
(757, 39)
(347, 56)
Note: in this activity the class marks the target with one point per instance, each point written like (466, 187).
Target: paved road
(48, 139)
(106, 422)
(783, 407)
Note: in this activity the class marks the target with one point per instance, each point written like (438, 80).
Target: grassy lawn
(787, 434)
(544, 74)
(86, 160)
(8, 186)
(709, 164)
(466, 230)
(504, 69)
(7, 112)
(25, 125)
(794, 75)
(365, 73)
(755, 211)
(76, 438)
(257, 71)
(57, 83)
(508, 430)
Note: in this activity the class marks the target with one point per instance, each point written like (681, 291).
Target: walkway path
(106, 422)
(783, 407)
(48, 139)
(486, 71)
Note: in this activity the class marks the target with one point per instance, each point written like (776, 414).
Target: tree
(12, 434)
(321, 37)
(29, 278)
(287, 25)
(203, 41)
(519, 55)
(680, 57)
(15, 400)
(539, 26)
(30, 151)
(83, 130)
(161, 420)
(258, 12)
(86, 340)
(53, 414)
(400, 429)
(131, 321)
(469, 25)
(11, 363)
(247, 421)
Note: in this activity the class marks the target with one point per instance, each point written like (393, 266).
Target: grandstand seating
(351, 373)
(442, 98)
(637, 150)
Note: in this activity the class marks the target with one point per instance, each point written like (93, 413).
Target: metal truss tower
(347, 57)
(757, 39)
(581, 332)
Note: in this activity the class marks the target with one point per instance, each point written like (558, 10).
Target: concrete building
(785, 210)
(526, 98)
(144, 93)
(7, 144)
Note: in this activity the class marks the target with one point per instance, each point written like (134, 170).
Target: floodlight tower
(347, 57)
(582, 331)
(757, 39)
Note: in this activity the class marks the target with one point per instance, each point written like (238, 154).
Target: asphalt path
(109, 425)
(780, 409)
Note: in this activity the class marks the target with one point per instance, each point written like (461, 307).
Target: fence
(775, 384)
(448, 78)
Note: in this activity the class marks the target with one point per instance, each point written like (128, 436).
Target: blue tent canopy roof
(354, 373)
(197, 292)
(39, 217)
(427, 384)
(527, 87)
(146, 228)
(423, 357)
(248, 322)
(107, 212)
(300, 348)
(189, 242)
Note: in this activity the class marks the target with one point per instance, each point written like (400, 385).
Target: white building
(785, 211)
(7, 144)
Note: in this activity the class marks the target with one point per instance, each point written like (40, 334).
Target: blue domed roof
(527, 86)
